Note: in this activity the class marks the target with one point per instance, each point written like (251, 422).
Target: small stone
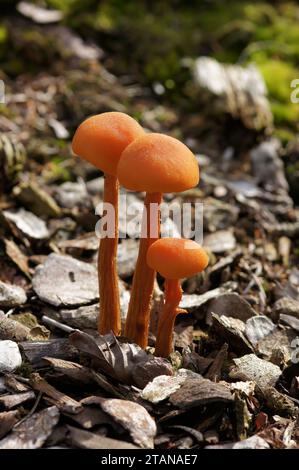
(219, 242)
(258, 327)
(28, 223)
(251, 367)
(65, 281)
(134, 418)
(10, 357)
(163, 386)
(11, 296)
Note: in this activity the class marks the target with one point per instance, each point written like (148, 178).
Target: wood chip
(35, 351)
(79, 375)
(65, 281)
(33, 432)
(198, 392)
(11, 401)
(7, 420)
(88, 440)
(62, 401)
(16, 255)
(251, 367)
(134, 418)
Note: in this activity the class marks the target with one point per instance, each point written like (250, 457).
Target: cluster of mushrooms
(145, 162)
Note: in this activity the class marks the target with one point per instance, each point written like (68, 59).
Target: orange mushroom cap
(157, 163)
(102, 138)
(176, 258)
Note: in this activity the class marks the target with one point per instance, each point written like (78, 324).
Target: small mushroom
(155, 163)
(174, 259)
(100, 140)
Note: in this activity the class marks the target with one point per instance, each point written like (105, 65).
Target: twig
(31, 412)
(57, 324)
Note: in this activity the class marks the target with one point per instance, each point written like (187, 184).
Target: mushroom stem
(137, 322)
(109, 318)
(173, 295)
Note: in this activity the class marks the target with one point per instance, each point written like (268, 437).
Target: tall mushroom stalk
(109, 317)
(144, 276)
(154, 163)
(174, 259)
(100, 140)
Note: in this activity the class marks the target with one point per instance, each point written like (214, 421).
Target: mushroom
(174, 259)
(100, 140)
(157, 164)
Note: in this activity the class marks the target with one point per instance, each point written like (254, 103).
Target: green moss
(25, 369)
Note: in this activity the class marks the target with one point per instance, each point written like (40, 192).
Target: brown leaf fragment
(279, 434)
(183, 334)
(106, 385)
(35, 351)
(196, 363)
(11, 401)
(7, 420)
(88, 440)
(231, 305)
(14, 385)
(214, 372)
(13, 330)
(18, 258)
(74, 372)
(145, 372)
(243, 416)
(198, 392)
(134, 418)
(62, 401)
(33, 432)
(109, 355)
(36, 199)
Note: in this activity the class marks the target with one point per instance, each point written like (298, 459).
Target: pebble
(10, 357)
